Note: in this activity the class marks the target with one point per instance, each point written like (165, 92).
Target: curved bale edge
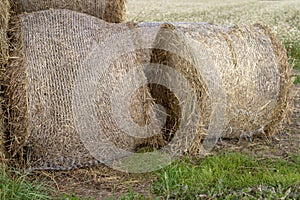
(4, 20)
(285, 69)
(113, 11)
(15, 97)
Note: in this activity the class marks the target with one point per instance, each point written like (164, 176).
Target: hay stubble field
(282, 15)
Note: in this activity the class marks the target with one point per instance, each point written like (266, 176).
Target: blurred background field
(282, 15)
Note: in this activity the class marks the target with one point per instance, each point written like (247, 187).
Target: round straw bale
(4, 18)
(254, 70)
(50, 50)
(113, 11)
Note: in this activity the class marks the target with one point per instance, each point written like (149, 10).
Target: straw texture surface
(4, 18)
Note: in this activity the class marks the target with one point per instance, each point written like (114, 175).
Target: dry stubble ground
(283, 16)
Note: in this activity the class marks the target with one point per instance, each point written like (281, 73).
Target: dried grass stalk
(113, 11)
(4, 18)
(49, 50)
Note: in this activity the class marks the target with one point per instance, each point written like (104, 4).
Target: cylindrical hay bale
(54, 70)
(254, 70)
(113, 11)
(4, 18)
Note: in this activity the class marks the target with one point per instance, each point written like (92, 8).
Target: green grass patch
(223, 176)
(132, 196)
(231, 176)
(14, 185)
(296, 159)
